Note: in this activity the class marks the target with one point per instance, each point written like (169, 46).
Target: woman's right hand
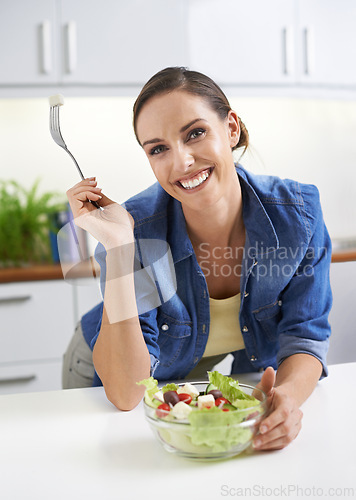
(112, 226)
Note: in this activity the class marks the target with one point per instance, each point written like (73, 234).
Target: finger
(90, 196)
(279, 437)
(280, 417)
(275, 418)
(83, 194)
(82, 187)
(105, 201)
(268, 380)
(81, 204)
(88, 181)
(284, 429)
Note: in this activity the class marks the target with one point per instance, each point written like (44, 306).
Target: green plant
(25, 221)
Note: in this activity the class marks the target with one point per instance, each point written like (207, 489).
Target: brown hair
(180, 78)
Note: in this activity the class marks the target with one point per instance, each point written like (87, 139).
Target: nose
(183, 159)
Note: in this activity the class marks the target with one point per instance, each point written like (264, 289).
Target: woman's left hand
(284, 418)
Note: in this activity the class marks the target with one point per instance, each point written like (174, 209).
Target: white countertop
(74, 444)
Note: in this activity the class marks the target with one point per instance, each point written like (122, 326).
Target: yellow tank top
(225, 334)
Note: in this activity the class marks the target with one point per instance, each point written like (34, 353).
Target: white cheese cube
(159, 395)
(206, 401)
(56, 100)
(188, 389)
(181, 410)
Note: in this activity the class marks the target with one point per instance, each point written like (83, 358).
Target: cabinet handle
(287, 50)
(71, 36)
(18, 380)
(18, 298)
(308, 46)
(45, 36)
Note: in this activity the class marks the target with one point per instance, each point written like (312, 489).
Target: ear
(234, 128)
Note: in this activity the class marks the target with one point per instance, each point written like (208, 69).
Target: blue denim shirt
(285, 289)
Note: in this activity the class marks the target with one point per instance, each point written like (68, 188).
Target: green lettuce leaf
(217, 429)
(231, 390)
(151, 385)
(169, 387)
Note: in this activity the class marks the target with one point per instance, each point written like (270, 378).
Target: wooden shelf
(31, 273)
(86, 269)
(90, 268)
(344, 255)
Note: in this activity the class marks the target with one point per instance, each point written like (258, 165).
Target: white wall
(309, 140)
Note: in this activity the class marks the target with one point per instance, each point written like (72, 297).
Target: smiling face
(189, 147)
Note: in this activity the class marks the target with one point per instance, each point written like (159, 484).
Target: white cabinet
(31, 377)
(120, 42)
(89, 42)
(327, 42)
(342, 316)
(86, 295)
(27, 42)
(37, 319)
(239, 42)
(37, 323)
(279, 42)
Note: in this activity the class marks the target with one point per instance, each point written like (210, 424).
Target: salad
(217, 419)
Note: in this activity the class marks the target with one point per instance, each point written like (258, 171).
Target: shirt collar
(260, 231)
(181, 246)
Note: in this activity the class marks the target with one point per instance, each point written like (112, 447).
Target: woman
(251, 258)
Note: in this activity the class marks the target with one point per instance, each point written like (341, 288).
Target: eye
(196, 133)
(157, 150)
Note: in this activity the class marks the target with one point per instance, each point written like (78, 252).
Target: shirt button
(246, 294)
(245, 329)
(279, 302)
(164, 327)
(253, 358)
(196, 360)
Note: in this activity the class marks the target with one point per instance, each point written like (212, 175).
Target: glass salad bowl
(214, 433)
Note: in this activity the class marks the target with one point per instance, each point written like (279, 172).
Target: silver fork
(58, 139)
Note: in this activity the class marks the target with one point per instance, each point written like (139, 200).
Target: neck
(221, 223)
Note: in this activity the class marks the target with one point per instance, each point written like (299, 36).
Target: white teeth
(195, 182)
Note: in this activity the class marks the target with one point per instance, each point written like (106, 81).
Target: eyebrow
(183, 129)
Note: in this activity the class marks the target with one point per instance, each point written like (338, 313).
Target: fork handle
(96, 205)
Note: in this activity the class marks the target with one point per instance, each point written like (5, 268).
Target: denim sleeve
(307, 300)
(148, 320)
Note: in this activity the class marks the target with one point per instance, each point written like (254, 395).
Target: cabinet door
(37, 321)
(342, 316)
(86, 293)
(239, 42)
(27, 42)
(31, 377)
(120, 42)
(327, 42)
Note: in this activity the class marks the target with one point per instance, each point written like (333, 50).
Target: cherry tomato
(221, 401)
(186, 398)
(163, 410)
(225, 409)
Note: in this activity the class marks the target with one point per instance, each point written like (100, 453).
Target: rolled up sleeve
(306, 303)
